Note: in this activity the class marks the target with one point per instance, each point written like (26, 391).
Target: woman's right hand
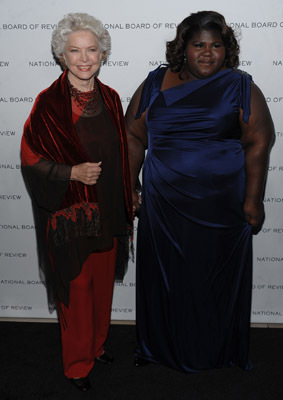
(87, 173)
(136, 202)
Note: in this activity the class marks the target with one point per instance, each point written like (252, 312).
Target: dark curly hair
(196, 22)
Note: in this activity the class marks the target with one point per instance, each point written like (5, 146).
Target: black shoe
(140, 362)
(105, 358)
(82, 384)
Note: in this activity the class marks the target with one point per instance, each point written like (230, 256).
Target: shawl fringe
(78, 220)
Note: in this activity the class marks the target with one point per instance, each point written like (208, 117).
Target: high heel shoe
(83, 384)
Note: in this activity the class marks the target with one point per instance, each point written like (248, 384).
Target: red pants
(88, 314)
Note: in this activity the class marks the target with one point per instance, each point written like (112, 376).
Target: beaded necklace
(85, 101)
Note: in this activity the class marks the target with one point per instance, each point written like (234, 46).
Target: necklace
(85, 101)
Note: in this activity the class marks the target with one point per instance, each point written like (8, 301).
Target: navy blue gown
(194, 247)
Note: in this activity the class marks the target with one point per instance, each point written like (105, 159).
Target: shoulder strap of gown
(245, 100)
(153, 82)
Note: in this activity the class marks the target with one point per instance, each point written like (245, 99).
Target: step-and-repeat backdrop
(139, 31)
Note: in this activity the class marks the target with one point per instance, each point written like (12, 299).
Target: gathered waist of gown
(204, 158)
(204, 179)
(184, 141)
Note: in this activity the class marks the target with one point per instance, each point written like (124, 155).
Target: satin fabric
(194, 247)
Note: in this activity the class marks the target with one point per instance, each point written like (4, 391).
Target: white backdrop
(139, 31)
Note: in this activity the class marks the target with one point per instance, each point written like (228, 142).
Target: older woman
(208, 132)
(75, 163)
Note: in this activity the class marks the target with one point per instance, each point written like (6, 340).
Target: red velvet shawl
(66, 208)
(50, 134)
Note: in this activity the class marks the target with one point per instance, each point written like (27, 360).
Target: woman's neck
(80, 84)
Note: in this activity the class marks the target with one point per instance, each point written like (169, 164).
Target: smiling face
(82, 57)
(205, 54)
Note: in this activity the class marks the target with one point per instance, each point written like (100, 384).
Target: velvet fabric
(65, 211)
(50, 133)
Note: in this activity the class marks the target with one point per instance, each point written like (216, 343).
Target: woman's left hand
(136, 202)
(254, 213)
